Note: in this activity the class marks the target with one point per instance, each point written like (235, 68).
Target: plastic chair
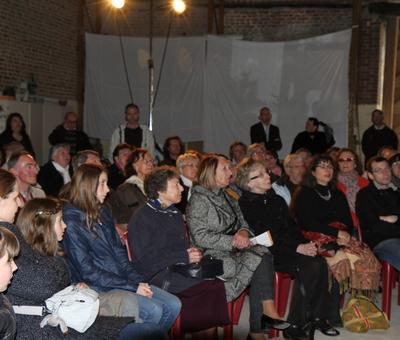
(388, 275)
(234, 311)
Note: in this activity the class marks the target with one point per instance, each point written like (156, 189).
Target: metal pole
(151, 67)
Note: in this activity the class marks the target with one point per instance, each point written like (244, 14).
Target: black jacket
(314, 142)
(257, 135)
(373, 139)
(50, 179)
(372, 203)
(77, 140)
(7, 138)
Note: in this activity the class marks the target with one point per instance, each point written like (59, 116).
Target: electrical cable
(121, 44)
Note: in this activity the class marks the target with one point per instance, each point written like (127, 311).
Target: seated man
(116, 174)
(57, 171)
(378, 209)
(24, 167)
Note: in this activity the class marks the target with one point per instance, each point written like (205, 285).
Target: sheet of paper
(264, 239)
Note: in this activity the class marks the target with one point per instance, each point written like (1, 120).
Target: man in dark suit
(264, 132)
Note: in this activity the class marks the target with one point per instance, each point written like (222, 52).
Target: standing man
(68, 133)
(132, 132)
(377, 136)
(265, 132)
(311, 139)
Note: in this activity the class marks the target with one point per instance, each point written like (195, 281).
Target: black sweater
(314, 213)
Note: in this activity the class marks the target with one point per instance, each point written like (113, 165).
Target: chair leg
(388, 272)
(228, 329)
(176, 330)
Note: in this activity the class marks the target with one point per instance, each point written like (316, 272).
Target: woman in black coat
(293, 254)
(15, 132)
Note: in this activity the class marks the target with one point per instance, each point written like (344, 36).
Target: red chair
(234, 311)
(388, 275)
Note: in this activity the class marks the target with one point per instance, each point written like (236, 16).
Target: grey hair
(182, 159)
(55, 148)
(290, 158)
(81, 158)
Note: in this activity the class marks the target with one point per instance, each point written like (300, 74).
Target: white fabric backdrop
(213, 87)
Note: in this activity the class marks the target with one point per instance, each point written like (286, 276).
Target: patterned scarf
(350, 181)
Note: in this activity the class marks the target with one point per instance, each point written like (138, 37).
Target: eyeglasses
(325, 166)
(381, 170)
(397, 163)
(263, 174)
(348, 159)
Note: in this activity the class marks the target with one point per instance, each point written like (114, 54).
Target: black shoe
(295, 332)
(325, 327)
(267, 323)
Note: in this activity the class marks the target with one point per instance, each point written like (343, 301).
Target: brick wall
(45, 37)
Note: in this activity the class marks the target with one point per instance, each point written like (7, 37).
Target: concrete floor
(393, 333)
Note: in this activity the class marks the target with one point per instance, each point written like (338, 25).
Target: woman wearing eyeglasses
(349, 179)
(323, 214)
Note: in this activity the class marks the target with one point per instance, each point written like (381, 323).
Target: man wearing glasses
(378, 209)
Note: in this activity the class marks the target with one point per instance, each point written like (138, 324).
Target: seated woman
(158, 239)
(266, 211)
(349, 179)
(97, 257)
(130, 196)
(219, 229)
(42, 273)
(323, 214)
(9, 248)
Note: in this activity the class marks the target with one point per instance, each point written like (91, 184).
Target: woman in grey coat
(218, 228)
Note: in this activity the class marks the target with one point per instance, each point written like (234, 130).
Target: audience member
(311, 139)
(85, 157)
(306, 155)
(130, 195)
(293, 254)
(16, 132)
(386, 152)
(219, 229)
(188, 165)
(377, 207)
(96, 255)
(132, 132)
(377, 135)
(323, 214)
(273, 166)
(286, 185)
(116, 172)
(68, 133)
(265, 132)
(173, 147)
(9, 248)
(394, 163)
(349, 179)
(237, 151)
(8, 150)
(257, 151)
(57, 171)
(333, 153)
(158, 240)
(24, 167)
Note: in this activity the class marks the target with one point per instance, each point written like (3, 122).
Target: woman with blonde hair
(97, 257)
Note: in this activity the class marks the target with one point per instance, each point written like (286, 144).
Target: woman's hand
(195, 255)
(343, 238)
(241, 239)
(145, 290)
(81, 285)
(389, 219)
(307, 249)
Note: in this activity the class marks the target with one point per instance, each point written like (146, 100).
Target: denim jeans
(389, 250)
(142, 331)
(162, 309)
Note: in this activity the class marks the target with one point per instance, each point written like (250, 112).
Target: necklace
(326, 197)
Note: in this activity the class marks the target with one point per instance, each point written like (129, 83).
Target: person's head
(89, 189)
(306, 155)
(9, 248)
(163, 184)
(348, 161)
(265, 115)
(60, 154)
(15, 124)
(257, 151)
(252, 176)
(378, 170)
(214, 172)
(333, 153)
(11, 148)
(85, 157)
(377, 117)
(9, 196)
(320, 172)
(237, 151)
(188, 165)
(140, 163)
(121, 154)
(271, 159)
(312, 124)
(24, 167)
(295, 168)
(132, 114)
(70, 121)
(394, 162)
(386, 152)
(173, 147)
(41, 224)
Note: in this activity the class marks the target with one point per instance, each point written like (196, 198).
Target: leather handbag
(207, 268)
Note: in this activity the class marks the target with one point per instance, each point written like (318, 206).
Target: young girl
(9, 248)
(97, 256)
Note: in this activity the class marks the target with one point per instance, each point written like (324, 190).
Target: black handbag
(207, 268)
